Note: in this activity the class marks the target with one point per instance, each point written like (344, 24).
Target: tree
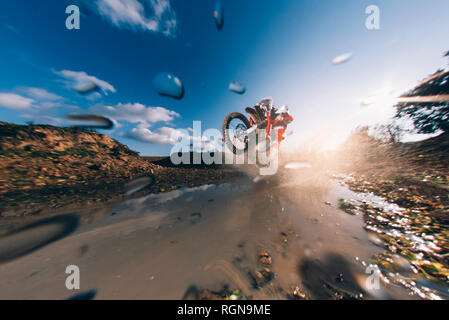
(390, 133)
(427, 105)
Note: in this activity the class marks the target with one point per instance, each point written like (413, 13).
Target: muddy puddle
(280, 237)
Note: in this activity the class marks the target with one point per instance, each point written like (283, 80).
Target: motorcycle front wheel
(235, 126)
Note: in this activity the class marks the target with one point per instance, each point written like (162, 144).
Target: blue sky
(276, 48)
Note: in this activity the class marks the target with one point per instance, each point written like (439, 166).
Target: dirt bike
(238, 129)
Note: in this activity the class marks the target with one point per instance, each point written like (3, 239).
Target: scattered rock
(260, 278)
(347, 207)
(296, 293)
(265, 258)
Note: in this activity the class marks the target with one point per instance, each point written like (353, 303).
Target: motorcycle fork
(267, 134)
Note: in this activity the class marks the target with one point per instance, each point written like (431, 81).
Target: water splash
(415, 247)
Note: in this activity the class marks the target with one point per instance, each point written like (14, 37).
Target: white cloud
(172, 136)
(164, 135)
(15, 101)
(40, 94)
(79, 77)
(37, 105)
(147, 15)
(135, 113)
(143, 116)
(94, 96)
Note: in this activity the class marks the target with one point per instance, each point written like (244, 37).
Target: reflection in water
(167, 196)
(143, 204)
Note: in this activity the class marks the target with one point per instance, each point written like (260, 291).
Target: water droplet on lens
(85, 7)
(167, 84)
(402, 263)
(88, 295)
(219, 15)
(192, 293)
(343, 58)
(367, 102)
(35, 236)
(138, 184)
(308, 252)
(374, 239)
(257, 179)
(237, 87)
(90, 121)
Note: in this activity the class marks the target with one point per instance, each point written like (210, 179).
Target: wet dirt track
(210, 237)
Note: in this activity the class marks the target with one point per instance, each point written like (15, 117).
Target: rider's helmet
(266, 103)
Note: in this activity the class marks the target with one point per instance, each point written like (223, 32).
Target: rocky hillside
(46, 160)
(52, 156)
(51, 166)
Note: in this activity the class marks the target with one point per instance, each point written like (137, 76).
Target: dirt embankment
(47, 167)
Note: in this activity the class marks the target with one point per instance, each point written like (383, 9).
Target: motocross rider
(279, 118)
